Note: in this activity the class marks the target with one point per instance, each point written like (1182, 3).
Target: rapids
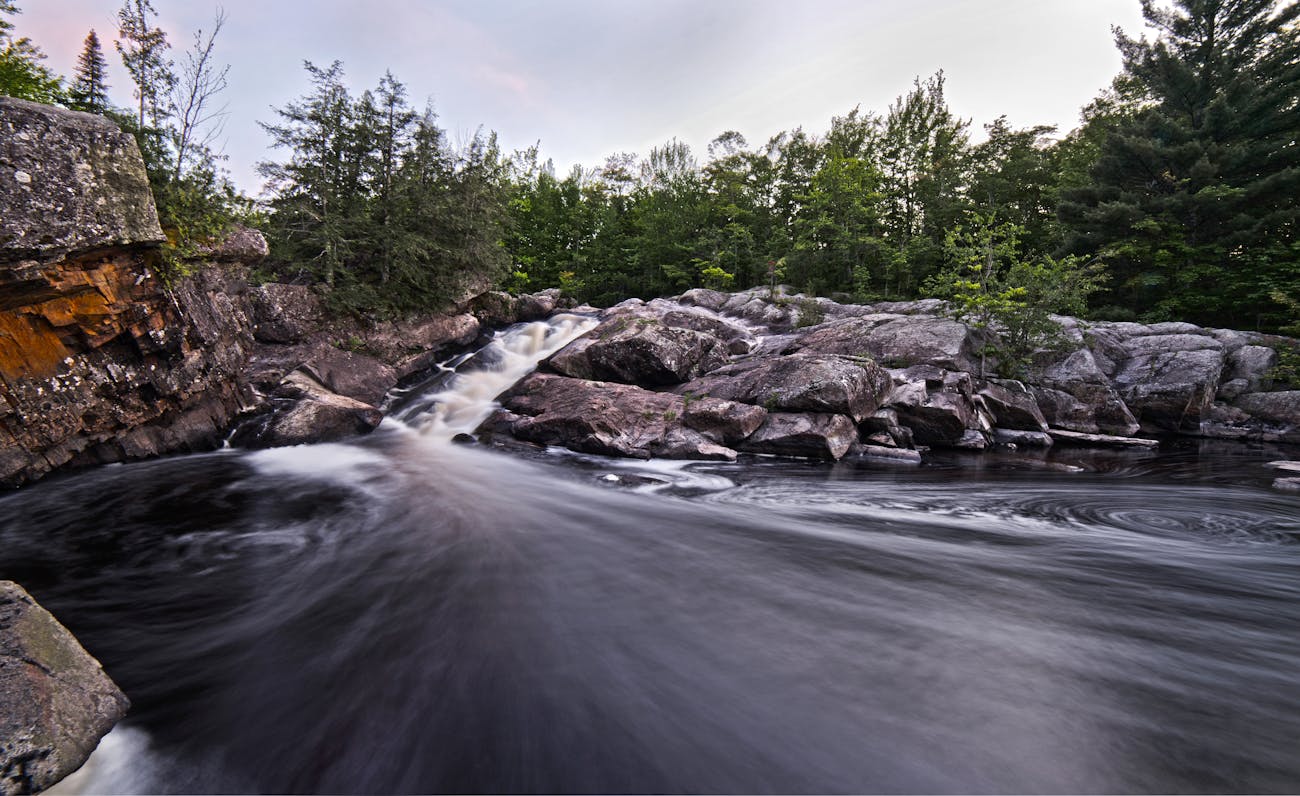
(399, 614)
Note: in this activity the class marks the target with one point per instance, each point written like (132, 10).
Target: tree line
(1174, 198)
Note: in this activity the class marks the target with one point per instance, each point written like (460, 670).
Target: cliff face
(98, 362)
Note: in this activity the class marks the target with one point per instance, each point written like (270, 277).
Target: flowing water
(400, 614)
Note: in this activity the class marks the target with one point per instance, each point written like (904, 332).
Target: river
(403, 614)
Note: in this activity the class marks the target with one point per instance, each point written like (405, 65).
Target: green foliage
(1191, 195)
(22, 74)
(1285, 375)
(993, 288)
(372, 201)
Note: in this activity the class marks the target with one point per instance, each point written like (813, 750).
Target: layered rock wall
(100, 362)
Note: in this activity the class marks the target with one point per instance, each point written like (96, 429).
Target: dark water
(404, 616)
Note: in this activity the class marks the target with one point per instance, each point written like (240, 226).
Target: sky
(585, 79)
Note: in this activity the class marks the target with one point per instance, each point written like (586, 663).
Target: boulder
(285, 313)
(641, 350)
(884, 453)
(884, 428)
(1022, 439)
(69, 183)
(307, 412)
(601, 417)
(799, 383)
(935, 418)
(1012, 406)
(1251, 365)
(352, 375)
(806, 435)
(55, 700)
(240, 245)
(1169, 380)
(1274, 407)
(896, 341)
(724, 422)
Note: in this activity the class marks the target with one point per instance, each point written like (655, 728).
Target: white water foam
(469, 398)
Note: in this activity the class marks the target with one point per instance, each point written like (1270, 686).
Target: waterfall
(462, 395)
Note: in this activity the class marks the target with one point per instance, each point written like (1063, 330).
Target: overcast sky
(588, 78)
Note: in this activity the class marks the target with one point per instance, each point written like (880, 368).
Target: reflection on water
(397, 615)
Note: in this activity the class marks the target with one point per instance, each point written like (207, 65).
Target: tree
(923, 161)
(317, 191)
(1192, 198)
(196, 123)
(89, 90)
(22, 74)
(142, 44)
(995, 288)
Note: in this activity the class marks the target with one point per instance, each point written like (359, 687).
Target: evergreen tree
(317, 192)
(22, 74)
(1192, 198)
(89, 91)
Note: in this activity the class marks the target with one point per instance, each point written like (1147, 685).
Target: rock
(601, 417)
(69, 183)
(879, 452)
(1092, 405)
(814, 436)
(1012, 406)
(495, 308)
(415, 345)
(1274, 407)
(241, 245)
(724, 422)
(897, 341)
(285, 313)
(55, 700)
(701, 297)
(884, 428)
(739, 340)
(1289, 467)
(799, 383)
(1287, 484)
(1022, 439)
(1251, 364)
(1101, 440)
(641, 350)
(352, 375)
(308, 413)
(934, 418)
(1169, 380)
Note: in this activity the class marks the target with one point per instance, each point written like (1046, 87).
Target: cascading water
(461, 397)
(397, 614)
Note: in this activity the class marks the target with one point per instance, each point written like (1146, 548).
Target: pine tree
(89, 91)
(1192, 200)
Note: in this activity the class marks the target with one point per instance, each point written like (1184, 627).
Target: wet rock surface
(895, 377)
(55, 700)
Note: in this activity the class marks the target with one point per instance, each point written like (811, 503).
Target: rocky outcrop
(99, 361)
(890, 377)
(70, 183)
(616, 419)
(55, 700)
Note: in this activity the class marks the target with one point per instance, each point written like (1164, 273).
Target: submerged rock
(55, 700)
